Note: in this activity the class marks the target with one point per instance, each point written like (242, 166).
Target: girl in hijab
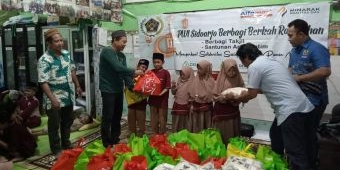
(181, 108)
(226, 114)
(202, 96)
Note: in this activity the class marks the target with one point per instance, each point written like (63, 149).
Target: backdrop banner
(187, 38)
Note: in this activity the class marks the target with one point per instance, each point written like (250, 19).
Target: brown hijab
(223, 81)
(183, 86)
(201, 88)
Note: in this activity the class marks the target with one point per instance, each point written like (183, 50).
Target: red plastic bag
(68, 157)
(136, 163)
(121, 148)
(103, 161)
(156, 140)
(167, 150)
(218, 162)
(148, 84)
(190, 156)
(181, 146)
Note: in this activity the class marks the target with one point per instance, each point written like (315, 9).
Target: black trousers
(291, 136)
(59, 119)
(111, 116)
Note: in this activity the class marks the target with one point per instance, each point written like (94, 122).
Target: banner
(187, 38)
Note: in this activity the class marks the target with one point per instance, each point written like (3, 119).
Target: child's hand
(228, 96)
(220, 98)
(173, 84)
(16, 119)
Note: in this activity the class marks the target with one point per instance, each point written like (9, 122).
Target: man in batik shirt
(58, 80)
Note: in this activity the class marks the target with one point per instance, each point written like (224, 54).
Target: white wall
(334, 84)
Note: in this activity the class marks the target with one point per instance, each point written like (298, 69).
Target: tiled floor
(261, 128)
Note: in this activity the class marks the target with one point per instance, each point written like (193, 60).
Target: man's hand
(139, 72)
(79, 91)
(296, 77)
(55, 104)
(243, 93)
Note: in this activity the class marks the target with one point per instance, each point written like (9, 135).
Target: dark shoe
(70, 146)
(55, 152)
(116, 141)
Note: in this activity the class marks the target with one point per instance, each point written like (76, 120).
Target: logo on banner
(151, 26)
(282, 11)
(256, 13)
(307, 10)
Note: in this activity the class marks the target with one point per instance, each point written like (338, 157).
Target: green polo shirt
(113, 71)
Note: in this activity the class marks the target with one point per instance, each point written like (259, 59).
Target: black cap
(144, 62)
(158, 56)
(118, 33)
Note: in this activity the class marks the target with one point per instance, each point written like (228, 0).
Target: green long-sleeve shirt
(113, 71)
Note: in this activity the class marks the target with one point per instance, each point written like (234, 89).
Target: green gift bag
(196, 141)
(121, 158)
(140, 146)
(178, 137)
(217, 151)
(214, 146)
(157, 158)
(92, 149)
(147, 152)
(136, 144)
(211, 137)
(270, 159)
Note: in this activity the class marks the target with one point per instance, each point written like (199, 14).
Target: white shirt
(279, 87)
